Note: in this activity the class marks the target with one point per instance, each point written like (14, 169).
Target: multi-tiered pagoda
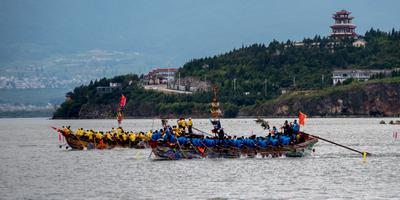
(343, 27)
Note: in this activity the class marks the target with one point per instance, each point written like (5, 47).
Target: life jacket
(124, 137)
(132, 137)
(109, 137)
(149, 134)
(190, 123)
(182, 123)
(142, 136)
(99, 135)
(79, 132)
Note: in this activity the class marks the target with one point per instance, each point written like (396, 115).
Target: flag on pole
(302, 118)
(122, 103)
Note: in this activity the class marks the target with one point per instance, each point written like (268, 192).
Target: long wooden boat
(80, 143)
(196, 148)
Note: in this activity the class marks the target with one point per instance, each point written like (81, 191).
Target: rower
(124, 137)
(182, 124)
(149, 134)
(296, 127)
(89, 135)
(142, 136)
(99, 135)
(79, 132)
(109, 137)
(176, 131)
(132, 137)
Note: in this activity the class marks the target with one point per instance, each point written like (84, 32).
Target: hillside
(86, 102)
(280, 64)
(246, 77)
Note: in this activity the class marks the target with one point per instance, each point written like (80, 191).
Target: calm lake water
(33, 167)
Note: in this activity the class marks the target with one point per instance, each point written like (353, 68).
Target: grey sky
(174, 30)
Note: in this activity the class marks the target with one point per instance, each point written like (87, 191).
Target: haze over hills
(171, 32)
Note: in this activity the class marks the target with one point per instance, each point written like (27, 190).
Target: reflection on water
(33, 167)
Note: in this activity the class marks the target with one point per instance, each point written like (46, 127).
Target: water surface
(33, 167)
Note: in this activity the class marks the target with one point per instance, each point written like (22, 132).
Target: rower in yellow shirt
(132, 137)
(99, 135)
(149, 134)
(177, 131)
(141, 136)
(124, 137)
(109, 137)
(89, 135)
(79, 132)
(183, 125)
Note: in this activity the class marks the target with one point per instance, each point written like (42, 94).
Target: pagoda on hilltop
(343, 27)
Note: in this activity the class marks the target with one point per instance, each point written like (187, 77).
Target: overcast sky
(175, 30)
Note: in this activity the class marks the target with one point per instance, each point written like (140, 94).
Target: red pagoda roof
(342, 12)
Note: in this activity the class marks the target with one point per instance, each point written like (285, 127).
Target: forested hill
(281, 63)
(260, 72)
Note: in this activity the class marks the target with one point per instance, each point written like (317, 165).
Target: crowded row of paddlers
(289, 133)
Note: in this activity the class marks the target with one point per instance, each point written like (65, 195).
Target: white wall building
(360, 75)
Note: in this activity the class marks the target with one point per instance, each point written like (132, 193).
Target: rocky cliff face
(380, 99)
(98, 111)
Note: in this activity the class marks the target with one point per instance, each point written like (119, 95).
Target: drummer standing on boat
(189, 124)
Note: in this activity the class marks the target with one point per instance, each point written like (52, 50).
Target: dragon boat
(77, 143)
(189, 148)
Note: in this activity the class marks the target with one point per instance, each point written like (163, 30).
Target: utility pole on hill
(265, 87)
(294, 81)
(179, 80)
(234, 84)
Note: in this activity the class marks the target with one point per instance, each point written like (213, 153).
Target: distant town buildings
(167, 80)
(343, 27)
(160, 76)
(339, 76)
(109, 89)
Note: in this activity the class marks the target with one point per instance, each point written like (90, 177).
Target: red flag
(302, 118)
(123, 101)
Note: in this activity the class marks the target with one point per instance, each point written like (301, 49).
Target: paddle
(202, 131)
(337, 144)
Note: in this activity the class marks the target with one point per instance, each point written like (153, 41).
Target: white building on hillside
(360, 75)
